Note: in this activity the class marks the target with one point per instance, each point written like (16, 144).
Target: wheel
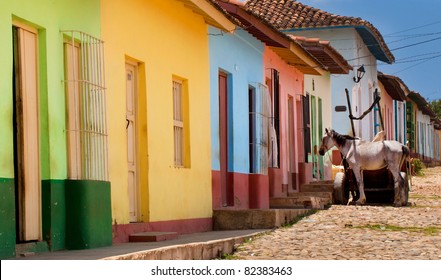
(339, 195)
(405, 192)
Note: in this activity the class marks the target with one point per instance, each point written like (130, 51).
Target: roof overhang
(296, 56)
(290, 51)
(211, 13)
(422, 104)
(436, 123)
(372, 42)
(394, 86)
(323, 52)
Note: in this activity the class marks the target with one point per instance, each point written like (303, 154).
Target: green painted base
(7, 218)
(76, 214)
(88, 214)
(54, 213)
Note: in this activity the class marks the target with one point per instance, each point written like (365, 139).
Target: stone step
(326, 197)
(317, 187)
(317, 194)
(300, 201)
(152, 236)
(31, 248)
(231, 219)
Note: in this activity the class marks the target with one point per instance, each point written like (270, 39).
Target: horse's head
(327, 142)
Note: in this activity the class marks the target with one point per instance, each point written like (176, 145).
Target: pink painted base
(121, 232)
(251, 191)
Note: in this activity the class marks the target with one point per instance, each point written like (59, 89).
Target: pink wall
(387, 110)
(291, 85)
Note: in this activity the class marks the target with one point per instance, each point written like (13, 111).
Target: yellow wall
(166, 39)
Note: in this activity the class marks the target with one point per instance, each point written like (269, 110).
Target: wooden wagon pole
(351, 117)
(377, 100)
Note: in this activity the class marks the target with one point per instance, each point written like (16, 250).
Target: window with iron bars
(259, 103)
(274, 114)
(86, 118)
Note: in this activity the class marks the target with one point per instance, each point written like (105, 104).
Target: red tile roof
(290, 14)
(307, 55)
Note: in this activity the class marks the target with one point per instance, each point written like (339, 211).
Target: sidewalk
(198, 246)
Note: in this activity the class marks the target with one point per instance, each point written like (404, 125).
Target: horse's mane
(341, 138)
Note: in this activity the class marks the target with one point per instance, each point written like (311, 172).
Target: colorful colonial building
(157, 74)
(54, 186)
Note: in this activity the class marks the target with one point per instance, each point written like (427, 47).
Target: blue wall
(241, 56)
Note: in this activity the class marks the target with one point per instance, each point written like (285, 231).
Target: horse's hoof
(398, 204)
(358, 202)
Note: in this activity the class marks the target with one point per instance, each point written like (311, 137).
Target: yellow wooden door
(27, 155)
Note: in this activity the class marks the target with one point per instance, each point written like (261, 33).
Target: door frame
(26, 126)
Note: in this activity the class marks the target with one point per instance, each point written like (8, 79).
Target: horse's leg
(398, 184)
(359, 177)
(401, 188)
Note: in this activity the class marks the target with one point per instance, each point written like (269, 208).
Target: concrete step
(254, 218)
(152, 236)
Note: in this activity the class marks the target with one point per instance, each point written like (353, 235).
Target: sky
(411, 29)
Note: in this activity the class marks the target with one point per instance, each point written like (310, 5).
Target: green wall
(49, 17)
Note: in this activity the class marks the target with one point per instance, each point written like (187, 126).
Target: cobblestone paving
(361, 232)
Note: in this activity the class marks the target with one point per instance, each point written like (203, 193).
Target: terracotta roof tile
(291, 48)
(290, 14)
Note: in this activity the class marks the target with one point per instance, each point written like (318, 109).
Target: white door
(26, 144)
(131, 93)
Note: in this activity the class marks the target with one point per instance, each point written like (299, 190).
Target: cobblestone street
(361, 232)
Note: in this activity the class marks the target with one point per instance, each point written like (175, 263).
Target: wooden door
(291, 145)
(226, 188)
(320, 133)
(306, 127)
(131, 93)
(26, 134)
(314, 140)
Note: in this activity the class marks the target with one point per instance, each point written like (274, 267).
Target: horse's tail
(406, 153)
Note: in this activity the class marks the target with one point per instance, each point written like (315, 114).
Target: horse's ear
(326, 130)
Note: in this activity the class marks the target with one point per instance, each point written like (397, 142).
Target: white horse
(362, 155)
